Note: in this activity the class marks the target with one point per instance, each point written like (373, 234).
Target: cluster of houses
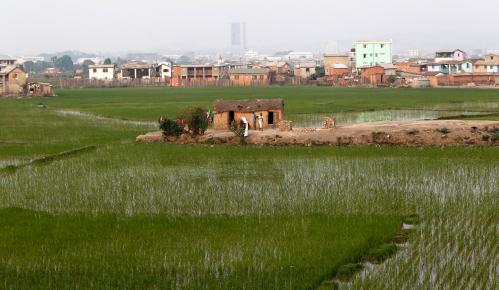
(14, 80)
(369, 62)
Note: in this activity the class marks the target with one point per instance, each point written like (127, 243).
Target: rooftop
(249, 71)
(247, 106)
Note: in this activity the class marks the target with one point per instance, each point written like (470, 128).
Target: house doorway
(231, 117)
(271, 118)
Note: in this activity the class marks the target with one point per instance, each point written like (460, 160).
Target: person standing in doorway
(254, 120)
(260, 122)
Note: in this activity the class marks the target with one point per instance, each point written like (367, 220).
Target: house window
(382, 45)
(166, 70)
(104, 70)
(491, 67)
(254, 77)
(307, 69)
(236, 77)
(15, 76)
(376, 55)
(94, 70)
(365, 55)
(365, 45)
(261, 77)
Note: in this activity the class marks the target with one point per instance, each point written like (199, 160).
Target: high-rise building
(238, 35)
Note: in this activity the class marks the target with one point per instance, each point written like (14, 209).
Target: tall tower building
(238, 35)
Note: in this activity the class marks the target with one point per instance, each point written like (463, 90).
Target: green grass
(162, 252)
(149, 103)
(128, 215)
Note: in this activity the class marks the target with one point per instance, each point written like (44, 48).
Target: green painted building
(372, 53)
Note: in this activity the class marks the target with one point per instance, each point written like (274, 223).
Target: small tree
(170, 128)
(238, 130)
(196, 120)
(107, 61)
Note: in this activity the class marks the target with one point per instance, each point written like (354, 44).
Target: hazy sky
(35, 26)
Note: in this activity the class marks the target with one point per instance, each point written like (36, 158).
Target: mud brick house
(40, 90)
(227, 111)
(374, 75)
(12, 80)
(249, 76)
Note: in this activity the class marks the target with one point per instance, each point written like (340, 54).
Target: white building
(450, 55)
(297, 56)
(101, 72)
(164, 70)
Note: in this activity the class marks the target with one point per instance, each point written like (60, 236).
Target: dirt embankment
(402, 133)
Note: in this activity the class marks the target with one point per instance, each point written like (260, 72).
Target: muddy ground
(402, 133)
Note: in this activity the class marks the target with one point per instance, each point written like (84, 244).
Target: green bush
(495, 137)
(485, 137)
(196, 120)
(444, 130)
(170, 128)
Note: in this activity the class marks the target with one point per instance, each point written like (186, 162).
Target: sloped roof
(8, 69)
(249, 71)
(135, 66)
(247, 106)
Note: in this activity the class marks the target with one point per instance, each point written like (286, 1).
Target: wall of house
(14, 82)
(163, 73)
(330, 60)
(248, 79)
(371, 54)
(221, 120)
(304, 72)
(100, 74)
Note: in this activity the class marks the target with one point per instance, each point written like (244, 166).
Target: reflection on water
(315, 120)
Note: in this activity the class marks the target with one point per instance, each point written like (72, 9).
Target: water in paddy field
(345, 118)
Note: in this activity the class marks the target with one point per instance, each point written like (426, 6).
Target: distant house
(489, 64)
(6, 60)
(228, 111)
(101, 72)
(374, 75)
(164, 70)
(332, 61)
(194, 71)
(369, 53)
(12, 80)
(135, 71)
(305, 70)
(337, 71)
(40, 90)
(451, 67)
(450, 55)
(52, 71)
(249, 76)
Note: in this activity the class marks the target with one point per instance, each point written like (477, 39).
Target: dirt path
(404, 133)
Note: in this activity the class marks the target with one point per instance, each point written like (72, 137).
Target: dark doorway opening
(271, 118)
(231, 117)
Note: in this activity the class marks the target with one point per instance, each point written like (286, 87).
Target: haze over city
(116, 26)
